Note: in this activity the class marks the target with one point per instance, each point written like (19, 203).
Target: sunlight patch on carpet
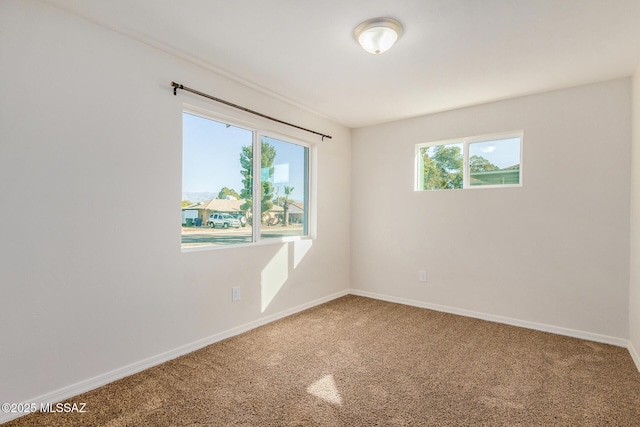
(325, 388)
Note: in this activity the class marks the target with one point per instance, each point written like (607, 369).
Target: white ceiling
(453, 53)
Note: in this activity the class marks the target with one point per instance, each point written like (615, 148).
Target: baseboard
(619, 342)
(634, 355)
(106, 378)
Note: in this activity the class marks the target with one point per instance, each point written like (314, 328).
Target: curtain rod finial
(176, 86)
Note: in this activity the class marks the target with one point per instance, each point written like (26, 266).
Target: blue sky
(211, 158)
(502, 153)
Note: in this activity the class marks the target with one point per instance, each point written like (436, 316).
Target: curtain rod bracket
(177, 86)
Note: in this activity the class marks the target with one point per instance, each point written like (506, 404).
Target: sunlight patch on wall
(274, 276)
(325, 388)
(300, 249)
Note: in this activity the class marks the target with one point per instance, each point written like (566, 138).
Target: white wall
(634, 290)
(554, 252)
(90, 133)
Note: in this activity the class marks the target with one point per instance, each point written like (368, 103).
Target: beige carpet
(361, 362)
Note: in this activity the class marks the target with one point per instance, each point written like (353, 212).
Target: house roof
(224, 205)
(296, 207)
(218, 205)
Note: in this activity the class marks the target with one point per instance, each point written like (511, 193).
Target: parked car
(223, 220)
(241, 218)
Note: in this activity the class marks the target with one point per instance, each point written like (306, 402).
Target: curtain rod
(177, 86)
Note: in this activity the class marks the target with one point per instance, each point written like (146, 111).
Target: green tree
(186, 203)
(246, 162)
(285, 205)
(228, 192)
(480, 164)
(268, 154)
(443, 168)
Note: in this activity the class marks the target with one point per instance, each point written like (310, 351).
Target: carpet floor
(357, 361)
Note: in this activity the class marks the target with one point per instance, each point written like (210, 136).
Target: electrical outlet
(422, 276)
(235, 293)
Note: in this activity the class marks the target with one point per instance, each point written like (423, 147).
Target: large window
(224, 167)
(477, 162)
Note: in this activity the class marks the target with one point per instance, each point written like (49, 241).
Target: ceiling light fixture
(377, 35)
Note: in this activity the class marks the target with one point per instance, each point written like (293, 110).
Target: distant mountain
(199, 196)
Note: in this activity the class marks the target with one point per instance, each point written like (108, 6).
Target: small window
(478, 162)
(219, 184)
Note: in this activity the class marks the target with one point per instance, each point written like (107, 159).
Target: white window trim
(466, 141)
(258, 133)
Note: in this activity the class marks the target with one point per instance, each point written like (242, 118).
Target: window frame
(466, 170)
(258, 132)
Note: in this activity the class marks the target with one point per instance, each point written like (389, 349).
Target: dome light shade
(377, 35)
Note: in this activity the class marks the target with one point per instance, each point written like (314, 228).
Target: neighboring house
(296, 213)
(276, 214)
(204, 209)
(273, 216)
(510, 175)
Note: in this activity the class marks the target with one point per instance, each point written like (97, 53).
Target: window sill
(263, 242)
